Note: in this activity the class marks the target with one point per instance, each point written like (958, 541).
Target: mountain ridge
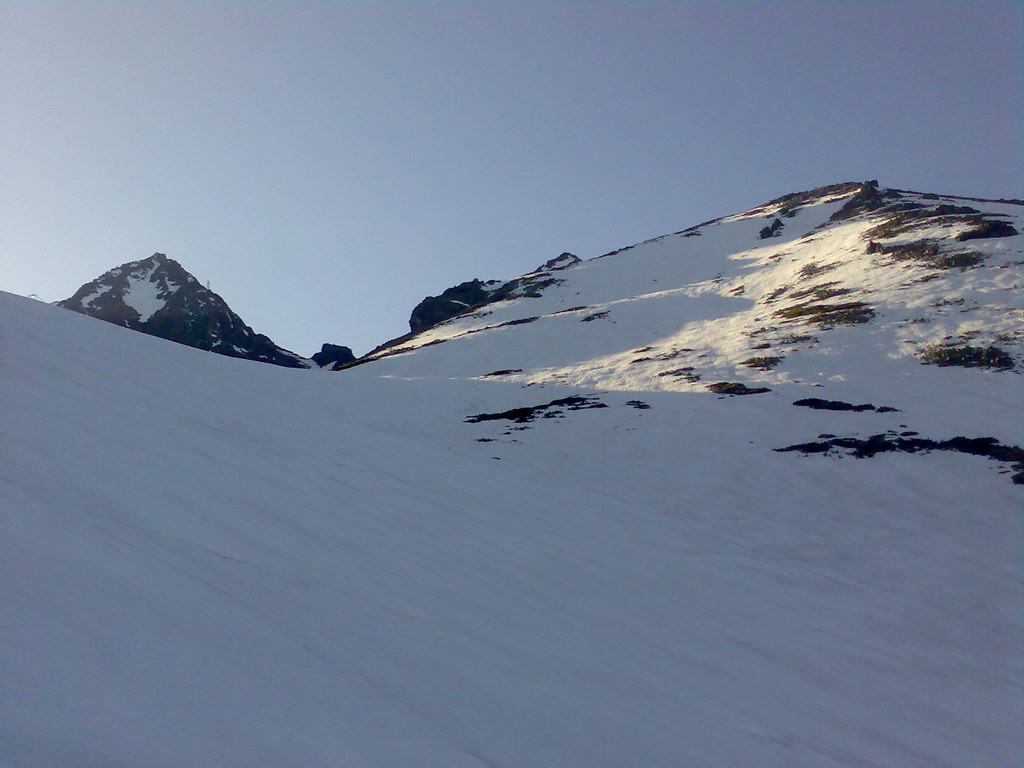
(203, 318)
(834, 251)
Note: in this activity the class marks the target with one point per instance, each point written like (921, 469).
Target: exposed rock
(520, 321)
(685, 373)
(820, 292)
(762, 363)
(828, 315)
(333, 354)
(452, 302)
(896, 223)
(771, 230)
(546, 410)
(813, 269)
(967, 356)
(951, 210)
(989, 228)
(988, 447)
(474, 294)
(868, 198)
(562, 261)
(735, 388)
(788, 205)
(927, 252)
(838, 405)
(157, 296)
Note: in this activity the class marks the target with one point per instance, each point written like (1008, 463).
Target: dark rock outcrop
(551, 410)
(562, 261)
(333, 354)
(788, 205)
(735, 388)
(890, 442)
(452, 302)
(966, 356)
(772, 229)
(989, 228)
(838, 405)
(868, 198)
(157, 296)
(474, 294)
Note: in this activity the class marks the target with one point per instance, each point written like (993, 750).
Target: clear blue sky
(326, 165)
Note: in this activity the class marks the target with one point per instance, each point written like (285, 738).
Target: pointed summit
(157, 296)
(562, 261)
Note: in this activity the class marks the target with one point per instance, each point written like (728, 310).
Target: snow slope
(711, 299)
(212, 562)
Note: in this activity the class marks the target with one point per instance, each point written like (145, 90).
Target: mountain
(583, 528)
(159, 297)
(848, 283)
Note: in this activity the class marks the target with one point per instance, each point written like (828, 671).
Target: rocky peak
(158, 296)
(562, 261)
(131, 293)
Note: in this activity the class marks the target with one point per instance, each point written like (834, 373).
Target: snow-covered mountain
(840, 282)
(852, 289)
(545, 531)
(156, 295)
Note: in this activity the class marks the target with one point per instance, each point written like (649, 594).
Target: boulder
(333, 354)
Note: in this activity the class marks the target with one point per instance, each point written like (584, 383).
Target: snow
(681, 293)
(89, 300)
(211, 561)
(143, 294)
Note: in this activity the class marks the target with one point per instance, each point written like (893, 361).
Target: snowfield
(143, 295)
(215, 562)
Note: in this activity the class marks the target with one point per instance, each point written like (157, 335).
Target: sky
(326, 165)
